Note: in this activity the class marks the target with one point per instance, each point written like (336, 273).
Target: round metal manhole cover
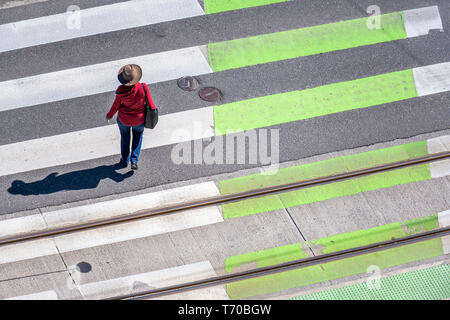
(210, 94)
(84, 267)
(188, 83)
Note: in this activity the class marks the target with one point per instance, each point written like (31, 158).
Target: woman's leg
(137, 142)
(124, 141)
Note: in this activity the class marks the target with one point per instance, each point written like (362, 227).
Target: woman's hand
(107, 119)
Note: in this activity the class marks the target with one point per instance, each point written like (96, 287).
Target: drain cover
(84, 267)
(188, 83)
(210, 94)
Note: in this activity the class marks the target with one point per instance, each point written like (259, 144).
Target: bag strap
(144, 86)
(145, 93)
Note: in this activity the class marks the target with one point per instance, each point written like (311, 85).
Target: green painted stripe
(215, 6)
(337, 269)
(301, 42)
(325, 168)
(426, 284)
(328, 99)
(328, 191)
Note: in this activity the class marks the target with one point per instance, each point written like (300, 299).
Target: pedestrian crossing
(221, 56)
(238, 116)
(200, 122)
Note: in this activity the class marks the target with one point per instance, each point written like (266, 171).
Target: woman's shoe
(123, 163)
(134, 166)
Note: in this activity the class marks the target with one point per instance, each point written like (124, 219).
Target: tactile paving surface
(426, 284)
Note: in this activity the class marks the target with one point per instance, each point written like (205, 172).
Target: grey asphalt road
(92, 179)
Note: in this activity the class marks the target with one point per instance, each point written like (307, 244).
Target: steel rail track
(297, 264)
(223, 199)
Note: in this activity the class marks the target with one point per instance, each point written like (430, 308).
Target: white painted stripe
(419, 22)
(48, 87)
(444, 221)
(149, 280)
(111, 234)
(139, 229)
(27, 250)
(438, 144)
(122, 206)
(16, 226)
(440, 169)
(44, 295)
(212, 293)
(432, 79)
(17, 3)
(97, 20)
(102, 142)
(106, 209)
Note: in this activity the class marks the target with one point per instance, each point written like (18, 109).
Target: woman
(130, 102)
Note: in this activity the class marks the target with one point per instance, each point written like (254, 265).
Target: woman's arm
(115, 106)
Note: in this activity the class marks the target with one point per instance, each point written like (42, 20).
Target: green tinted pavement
(328, 99)
(301, 42)
(336, 269)
(215, 6)
(324, 168)
(425, 284)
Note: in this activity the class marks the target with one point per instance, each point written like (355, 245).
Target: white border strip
(419, 22)
(444, 221)
(27, 250)
(102, 142)
(432, 79)
(44, 295)
(436, 145)
(97, 20)
(106, 209)
(99, 78)
(138, 229)
(122, 206)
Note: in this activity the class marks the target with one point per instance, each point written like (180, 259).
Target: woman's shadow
(77, 180)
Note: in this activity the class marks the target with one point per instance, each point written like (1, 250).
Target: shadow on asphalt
(77, 180)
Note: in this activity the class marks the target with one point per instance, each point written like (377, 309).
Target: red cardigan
(130, 101)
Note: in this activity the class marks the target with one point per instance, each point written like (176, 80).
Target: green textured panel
(426, 284)
(214, 6)
(336, 269)
(303, 42)
(328, 191)
(299, 105)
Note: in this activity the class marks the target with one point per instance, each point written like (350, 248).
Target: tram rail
(296, 264)
(222, 199)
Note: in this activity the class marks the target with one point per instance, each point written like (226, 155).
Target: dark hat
(130, 74)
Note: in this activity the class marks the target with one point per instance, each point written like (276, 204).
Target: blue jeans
(125, 141)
